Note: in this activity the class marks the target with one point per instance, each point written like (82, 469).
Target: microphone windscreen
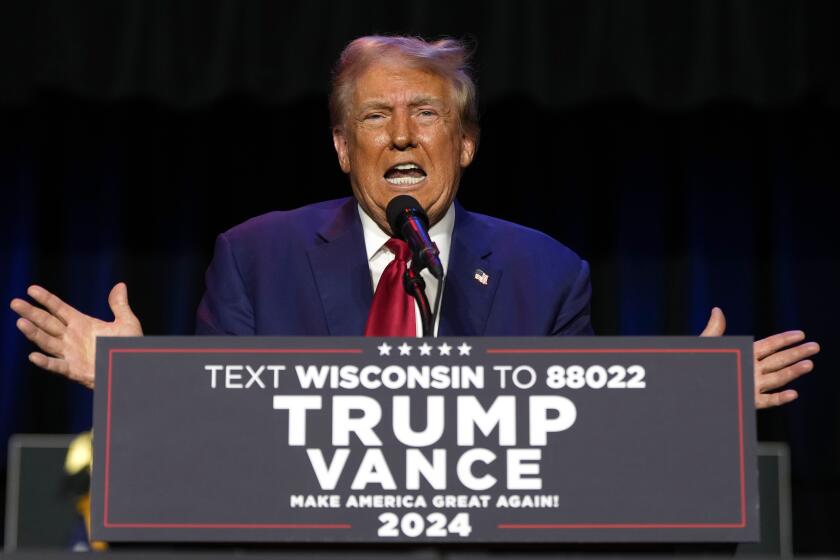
(401, 207)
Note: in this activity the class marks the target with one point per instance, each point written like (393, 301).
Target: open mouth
(405, 174)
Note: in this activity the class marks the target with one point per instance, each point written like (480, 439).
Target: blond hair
(448, 58)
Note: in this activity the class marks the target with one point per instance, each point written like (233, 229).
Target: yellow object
(83, 507)
(79, 454)
(79, 457)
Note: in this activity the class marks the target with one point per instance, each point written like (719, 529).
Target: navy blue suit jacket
(305, 272)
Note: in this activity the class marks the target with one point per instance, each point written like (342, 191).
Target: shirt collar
(440, 233)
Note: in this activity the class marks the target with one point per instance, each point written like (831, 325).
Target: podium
(468, 441)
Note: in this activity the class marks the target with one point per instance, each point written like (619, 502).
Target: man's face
(402, 136)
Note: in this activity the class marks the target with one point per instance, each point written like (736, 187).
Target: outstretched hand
(777, 361)
(68, 337)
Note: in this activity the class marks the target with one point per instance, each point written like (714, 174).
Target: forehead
(397, 83)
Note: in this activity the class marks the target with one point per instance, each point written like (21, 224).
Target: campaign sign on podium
(595, 439)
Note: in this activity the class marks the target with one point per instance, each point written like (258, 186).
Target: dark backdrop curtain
(686, 149)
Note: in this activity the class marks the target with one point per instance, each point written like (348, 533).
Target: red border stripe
(620, 526)
(612, 351)
(742, 478)
(235, 351)
(230, 525)
(113, 351)
(108, 439)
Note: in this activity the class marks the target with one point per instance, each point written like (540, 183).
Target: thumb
(716, 325)
(118, 300)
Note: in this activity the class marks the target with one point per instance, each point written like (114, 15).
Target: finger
(59, 366)
(118, 300)
(56, 365)
(775, 399)
(42, 319)
(770, 381)
(44, 341)
(716, 325)
(784, 358)
(52, 302)
(766, 346)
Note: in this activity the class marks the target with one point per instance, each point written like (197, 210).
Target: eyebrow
(415, 102)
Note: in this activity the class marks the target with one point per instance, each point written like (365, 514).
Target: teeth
(402, 181)
(406, 166)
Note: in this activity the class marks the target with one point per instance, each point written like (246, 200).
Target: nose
(402, 131)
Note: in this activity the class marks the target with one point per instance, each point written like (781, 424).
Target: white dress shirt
(379, 256)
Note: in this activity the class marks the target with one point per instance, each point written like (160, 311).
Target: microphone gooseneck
(410, 223)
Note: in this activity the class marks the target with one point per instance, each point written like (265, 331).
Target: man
(404, 122)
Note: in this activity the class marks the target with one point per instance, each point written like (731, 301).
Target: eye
(374, 116)
(427, 113)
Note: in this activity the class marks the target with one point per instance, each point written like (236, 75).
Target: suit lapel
(339, 265)
(467, 300)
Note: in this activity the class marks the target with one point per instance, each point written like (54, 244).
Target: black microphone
(410, 223)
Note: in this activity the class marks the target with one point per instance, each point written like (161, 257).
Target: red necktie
(392, 310)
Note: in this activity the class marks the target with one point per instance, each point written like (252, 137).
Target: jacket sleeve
(225, 308)
(573, 317)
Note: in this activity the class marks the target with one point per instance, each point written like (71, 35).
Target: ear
(468, 145)
(340, 144)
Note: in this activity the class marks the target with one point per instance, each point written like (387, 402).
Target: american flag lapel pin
(481, 277)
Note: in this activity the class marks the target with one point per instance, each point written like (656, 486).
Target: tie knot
(399, 248)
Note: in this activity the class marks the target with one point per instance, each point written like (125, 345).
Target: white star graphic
(464, 349)
(425, 349)
(444, 349)
(405, 349)
(384, 349)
